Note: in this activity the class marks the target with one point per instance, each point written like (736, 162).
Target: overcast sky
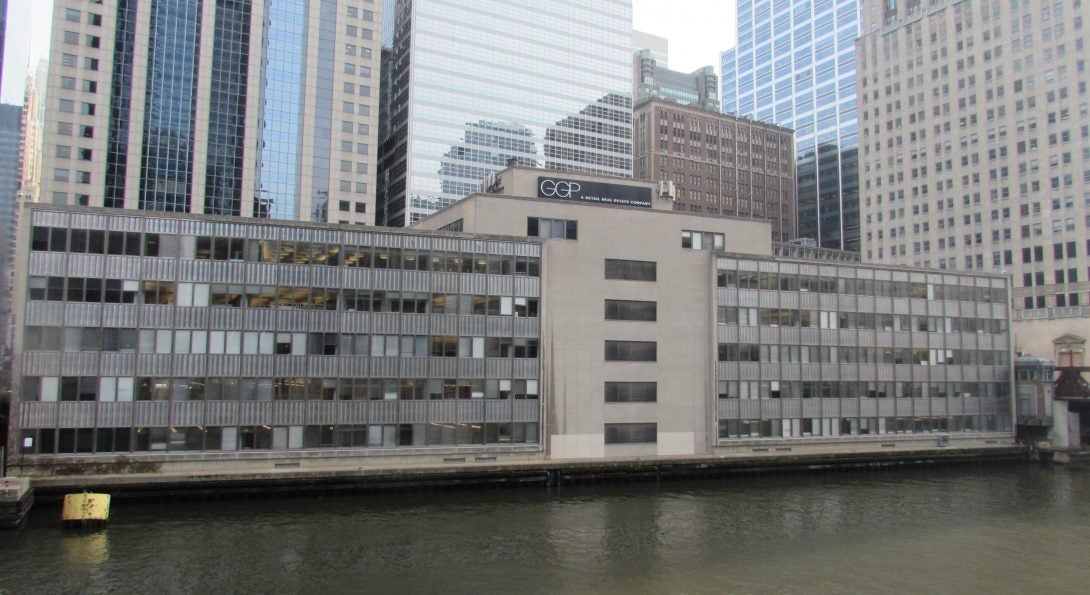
(697, 30)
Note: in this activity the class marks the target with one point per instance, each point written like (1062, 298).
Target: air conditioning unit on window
(666, 190)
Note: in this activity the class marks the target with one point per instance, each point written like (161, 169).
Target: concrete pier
(488, 474)
(16, 498)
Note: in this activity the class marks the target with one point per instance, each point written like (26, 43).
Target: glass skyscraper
(264, 108)
(794, 66)
(475, 86)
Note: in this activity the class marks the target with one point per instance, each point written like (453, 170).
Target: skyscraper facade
(794, 66)
(476, 86)
(976, 149)
(231, 107)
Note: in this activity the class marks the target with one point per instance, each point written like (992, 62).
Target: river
(1006, 529)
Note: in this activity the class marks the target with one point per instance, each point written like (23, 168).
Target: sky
(698, 30)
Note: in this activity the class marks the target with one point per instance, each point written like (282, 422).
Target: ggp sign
(550, 188)
(596, 192)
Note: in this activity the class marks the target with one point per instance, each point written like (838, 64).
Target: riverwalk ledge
(16, 498)
(329, 479)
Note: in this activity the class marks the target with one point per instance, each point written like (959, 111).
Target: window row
(55, 239)
(702, 240)
(831, 389)
(812, 354)
(563, 229)
(131, 340)
(265, 437)
(866, 287)
(112, 388)
(859, 426)
(788, 317)
(117, 291)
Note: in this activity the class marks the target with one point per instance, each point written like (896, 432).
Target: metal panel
(497, 411)
(811, 371)
(954, 406)
(472, 284)
(252, 413)
(259, 274)
(526, 368)
(291, 320)
(938, 407)
(322, 366)
(471, 367)
(527, 286)
(922, 406)
(868, 372)
(729, 408)
(122, 267)
(76, 415)
(153, 364)
(809, 336)
(443, 367)
(849, 407)
(812, 407)
(500, 326)
(353, 412)
(886, 407)
(289, 413)
(83, 314)
(443, 411)
(157, 316)
(386, 367)
(413, 412)
(771, 409)
(444, 282)
(749, 408)
(831, 407)
(34, 415)
(80, 364)
(749, 371)
(529, 410)
(883, 339)
(324, 321)
(383, 412)
(194, 270)
(120, 315)
(44, 313)
(495, 367)
(151, 414)
(848, 372)
(471, 411)
(749, 298)
(117, 364)
(749, 334)
(791, 372)
(385, 323)
(114, 415)
(414, 367)
(225, 365)
(322, 412)
(226, 318)
(41, 364)
(187, 413)
(526, 327)
(353, 367)
(830, 371)
(50, 263)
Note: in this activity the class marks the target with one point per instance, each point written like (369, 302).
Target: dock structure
(16, 498)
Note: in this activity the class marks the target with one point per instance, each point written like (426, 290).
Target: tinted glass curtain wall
(794, 66)
(173, 48)
(227, 113)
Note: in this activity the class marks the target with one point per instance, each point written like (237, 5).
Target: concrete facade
(974, 151)
(558, 316)
(262, 109)
(719, 164)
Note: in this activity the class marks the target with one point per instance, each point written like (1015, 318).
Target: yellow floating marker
(85, 510)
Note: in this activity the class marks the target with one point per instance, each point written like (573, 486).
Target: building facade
(555, 315)
(234, 107)
(476, 86)
(794, 66)
(719, 164)
(11, 124)
(976, 150)
(653, 79)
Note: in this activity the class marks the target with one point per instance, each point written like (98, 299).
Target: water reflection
(1008, 529)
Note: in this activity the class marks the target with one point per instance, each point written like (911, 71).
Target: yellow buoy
(86, 510)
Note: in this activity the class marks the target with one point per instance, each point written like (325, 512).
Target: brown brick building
(719, 164)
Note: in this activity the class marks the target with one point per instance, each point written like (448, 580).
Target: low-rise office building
(550, 316)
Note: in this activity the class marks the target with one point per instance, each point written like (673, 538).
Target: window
(630, 270)
(537, 227)
(701, 240)
(631, 392)
(631, 351)
(631, 310)
(637, 433)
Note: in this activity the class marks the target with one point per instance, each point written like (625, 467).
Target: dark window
(631, 351)
(631, 392)
(631, 270)
(631, 310)
(537, 227)
(644, 433)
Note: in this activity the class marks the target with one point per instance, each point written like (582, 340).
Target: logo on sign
(559, 189)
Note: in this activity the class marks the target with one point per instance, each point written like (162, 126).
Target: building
(235, 107)
(32, 129)
(975, 150)
(476, 86)
(10, 168)
(553, 316)
(658, 45)
(652, 79)
(718, 164)
(794, 66)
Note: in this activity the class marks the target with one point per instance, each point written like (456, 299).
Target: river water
(1007, 529)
